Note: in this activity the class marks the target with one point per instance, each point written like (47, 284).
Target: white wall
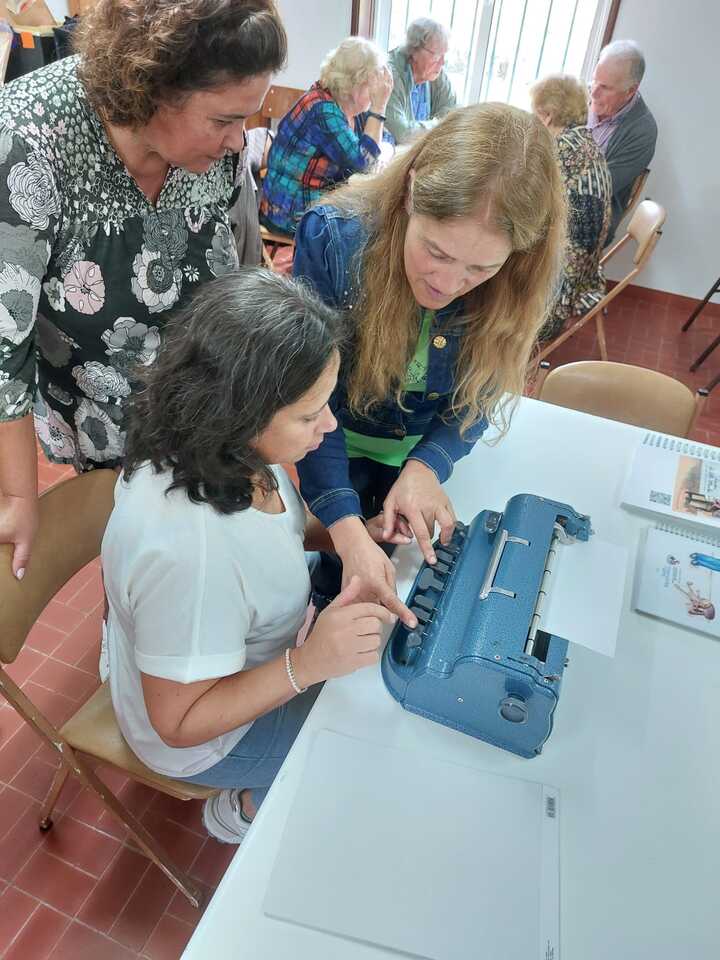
(680, 43)
(58, 8)
(314, 27)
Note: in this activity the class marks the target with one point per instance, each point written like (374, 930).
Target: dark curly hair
(245, 346)
(138, 54)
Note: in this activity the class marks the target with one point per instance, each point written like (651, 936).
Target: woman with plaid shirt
(333, 131)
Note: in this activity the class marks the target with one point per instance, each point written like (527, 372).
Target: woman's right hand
(18, 525)
(363, 558)
(380, 90)
(346, 637)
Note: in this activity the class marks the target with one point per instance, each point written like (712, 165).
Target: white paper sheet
(586, 593)
(414, 854)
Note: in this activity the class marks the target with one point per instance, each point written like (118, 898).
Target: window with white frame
(498, 48)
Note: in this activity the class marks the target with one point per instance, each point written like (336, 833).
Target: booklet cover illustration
(679, 579)
(677, 478)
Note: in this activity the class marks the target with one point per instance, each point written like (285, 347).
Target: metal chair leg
(61, 775)
(704, 355)
(693, 316)
(713, 383)
(145, 840)
(74, 762)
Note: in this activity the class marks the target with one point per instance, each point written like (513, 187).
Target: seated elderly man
(620, 122)
(333, 131)
(422, 93)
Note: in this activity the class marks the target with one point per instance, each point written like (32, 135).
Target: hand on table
(418, 498)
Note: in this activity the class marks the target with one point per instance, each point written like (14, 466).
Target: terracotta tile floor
(647, 333)
(82, 891)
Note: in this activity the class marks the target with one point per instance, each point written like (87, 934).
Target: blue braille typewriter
(479, 660)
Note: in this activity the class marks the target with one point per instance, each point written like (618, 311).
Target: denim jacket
(328, 249)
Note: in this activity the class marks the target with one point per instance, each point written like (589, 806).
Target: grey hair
(246, 345)
(629, 53)
(422, 30)
(352, 63)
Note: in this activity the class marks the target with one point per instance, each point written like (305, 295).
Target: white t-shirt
(194, 594)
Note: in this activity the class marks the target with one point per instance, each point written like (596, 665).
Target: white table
(635, 750)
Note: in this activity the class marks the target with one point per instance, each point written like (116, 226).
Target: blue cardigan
(328, 254)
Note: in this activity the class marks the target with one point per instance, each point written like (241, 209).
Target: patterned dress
(589, 190)
(89, 267)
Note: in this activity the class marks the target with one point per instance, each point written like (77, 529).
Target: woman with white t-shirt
(203, 557)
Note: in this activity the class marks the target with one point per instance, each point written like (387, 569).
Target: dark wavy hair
(245, 346)
(137, 54)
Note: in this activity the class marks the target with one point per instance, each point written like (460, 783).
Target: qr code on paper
(665, 499)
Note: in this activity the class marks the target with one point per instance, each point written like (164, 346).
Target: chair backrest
(645, 228)
(73, 517)
(621, 391)
(636, 192)
(277, 102)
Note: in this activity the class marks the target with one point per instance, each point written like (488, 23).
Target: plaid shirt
(314, 149)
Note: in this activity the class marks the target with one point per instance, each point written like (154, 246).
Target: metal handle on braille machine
(488, 584)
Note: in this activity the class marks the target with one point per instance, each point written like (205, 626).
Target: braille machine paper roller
(479, 660)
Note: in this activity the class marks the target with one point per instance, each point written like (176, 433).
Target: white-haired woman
(333, 131)
(422, 93)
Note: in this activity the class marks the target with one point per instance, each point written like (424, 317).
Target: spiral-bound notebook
(678, 578)
(675, 477)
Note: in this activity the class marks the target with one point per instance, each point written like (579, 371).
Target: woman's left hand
(401, 533)
(418, 497)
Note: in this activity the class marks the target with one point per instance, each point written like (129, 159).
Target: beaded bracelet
(291, 673)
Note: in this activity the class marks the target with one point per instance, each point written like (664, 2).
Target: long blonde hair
(496, 164)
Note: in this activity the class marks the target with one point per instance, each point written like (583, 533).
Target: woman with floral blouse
(117, 171)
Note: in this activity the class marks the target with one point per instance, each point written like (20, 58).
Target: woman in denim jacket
(445, 263)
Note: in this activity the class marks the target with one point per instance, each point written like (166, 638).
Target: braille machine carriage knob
(513, 709)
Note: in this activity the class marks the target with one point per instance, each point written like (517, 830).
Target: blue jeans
(372, 481)
(254, 761)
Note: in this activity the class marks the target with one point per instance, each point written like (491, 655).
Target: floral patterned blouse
(89, 267)
(589, 190)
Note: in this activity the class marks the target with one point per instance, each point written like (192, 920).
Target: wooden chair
(271, 243)
(635, 195)
(645, 229)
(621, 391)
(73, 517)
(277, 102)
